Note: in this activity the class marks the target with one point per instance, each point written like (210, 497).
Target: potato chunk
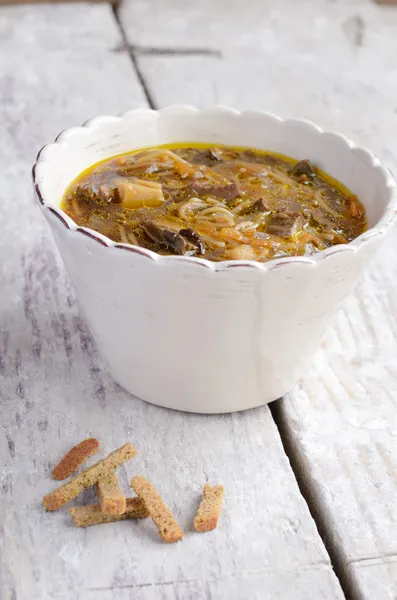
(139, 193)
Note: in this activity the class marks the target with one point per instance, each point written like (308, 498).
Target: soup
(215, 202)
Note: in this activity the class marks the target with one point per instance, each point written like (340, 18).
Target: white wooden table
(311, 483)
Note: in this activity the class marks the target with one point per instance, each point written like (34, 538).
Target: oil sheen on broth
(215, 202)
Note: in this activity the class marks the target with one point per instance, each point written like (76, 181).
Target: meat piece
(193, 236)
(175, 242)
(303, 167)
(158, 235)
(116, 196)
(260, 206)
(214, 154)
(284, 224)
(154, 233)
(229, 191)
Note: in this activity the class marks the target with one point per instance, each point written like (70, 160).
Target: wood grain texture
(332, 62)
(58, 67)
(304, 584)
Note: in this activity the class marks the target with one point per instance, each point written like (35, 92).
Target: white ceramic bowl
(187, 333)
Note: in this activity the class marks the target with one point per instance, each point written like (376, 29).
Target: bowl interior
(78, 148)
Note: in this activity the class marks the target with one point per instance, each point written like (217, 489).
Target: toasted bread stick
(110, 495)
(66, 492)
(209, 510)
(75, 458)
(84, 516)
(169, 529)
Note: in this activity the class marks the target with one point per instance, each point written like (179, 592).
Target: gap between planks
(307, 488)
(133, 58)
(135, 51)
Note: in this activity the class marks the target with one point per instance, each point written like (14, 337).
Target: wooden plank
(58, 68)
(337, 68)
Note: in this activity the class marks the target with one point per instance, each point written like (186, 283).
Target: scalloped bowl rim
(387, 220)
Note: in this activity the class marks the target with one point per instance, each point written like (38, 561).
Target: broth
(215, 202)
